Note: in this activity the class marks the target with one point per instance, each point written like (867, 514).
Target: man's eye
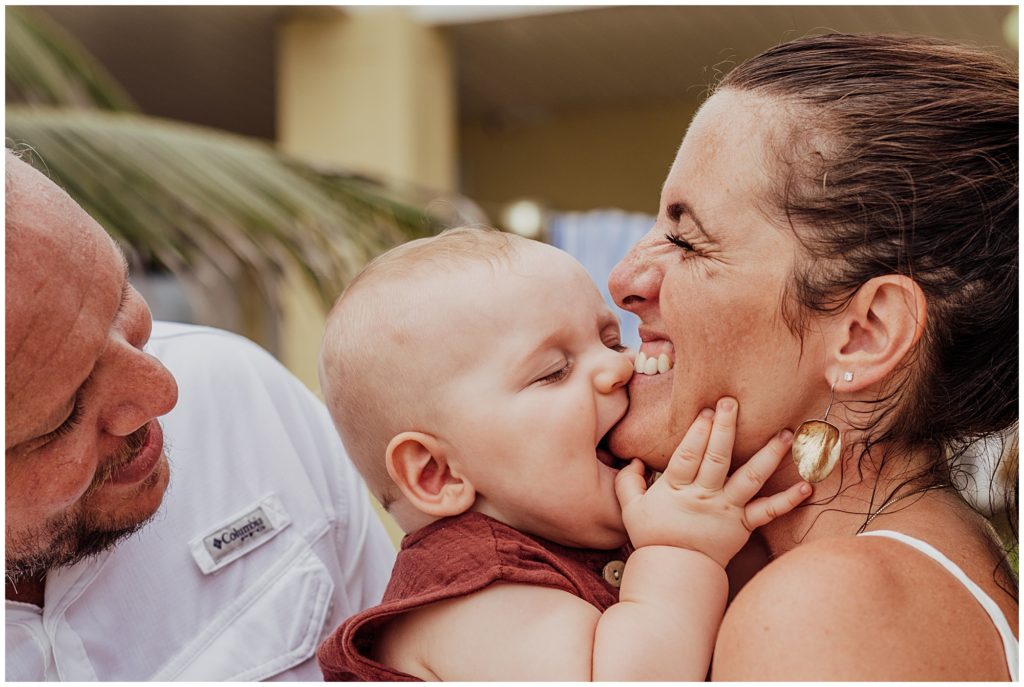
(679, 242)
(69, 424)
(616, 346)
(557, 375)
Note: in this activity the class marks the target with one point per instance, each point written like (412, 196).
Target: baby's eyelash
(557, 375)
(615, 344)
(679, 242)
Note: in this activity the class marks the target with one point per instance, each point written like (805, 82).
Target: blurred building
(577, 107)
(574, 108)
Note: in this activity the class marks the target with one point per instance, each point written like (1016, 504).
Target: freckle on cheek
(715, 334)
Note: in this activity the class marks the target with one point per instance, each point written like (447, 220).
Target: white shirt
(261, 496)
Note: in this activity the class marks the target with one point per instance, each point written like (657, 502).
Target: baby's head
(477, 370)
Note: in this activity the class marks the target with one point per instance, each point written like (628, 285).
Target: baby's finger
(748, 479)
(718, 455)
(685, 461)
(762, 511)
(630, 483)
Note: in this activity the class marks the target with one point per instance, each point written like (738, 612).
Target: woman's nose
(615, 371)
(636, 280)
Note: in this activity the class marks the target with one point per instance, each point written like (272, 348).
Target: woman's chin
(643, 438)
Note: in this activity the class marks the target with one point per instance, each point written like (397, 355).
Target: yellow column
(372, 92)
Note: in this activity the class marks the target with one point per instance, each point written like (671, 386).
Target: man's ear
(418, 464)
(876, 331)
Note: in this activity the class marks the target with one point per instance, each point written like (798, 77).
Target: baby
(473, 377)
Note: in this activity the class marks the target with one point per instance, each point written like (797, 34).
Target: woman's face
(707, 282)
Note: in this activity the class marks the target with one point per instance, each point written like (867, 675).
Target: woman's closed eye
(679, 242)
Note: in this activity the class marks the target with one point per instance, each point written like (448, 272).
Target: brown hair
(901, 158)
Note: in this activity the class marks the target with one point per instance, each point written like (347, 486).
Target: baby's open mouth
(654, 358)
(607, 457)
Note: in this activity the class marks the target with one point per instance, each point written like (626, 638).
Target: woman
(839, 230)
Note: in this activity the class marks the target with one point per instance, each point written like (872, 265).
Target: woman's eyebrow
(689, 211)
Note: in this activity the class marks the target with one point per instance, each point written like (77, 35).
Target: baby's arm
(671, 600)
(508, 632)
(663, 628)
(686, 528)
(518, 633)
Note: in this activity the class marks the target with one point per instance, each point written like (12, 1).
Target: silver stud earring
(817, 444)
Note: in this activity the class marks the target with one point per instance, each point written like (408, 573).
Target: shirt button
(612, 573)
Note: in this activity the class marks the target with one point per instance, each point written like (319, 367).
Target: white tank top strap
(1010, 644)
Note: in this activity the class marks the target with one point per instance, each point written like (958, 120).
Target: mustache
(124, 454)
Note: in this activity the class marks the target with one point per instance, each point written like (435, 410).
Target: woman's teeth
(653, 365)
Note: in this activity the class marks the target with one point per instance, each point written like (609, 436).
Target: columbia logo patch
(249, 527)
(242, 533)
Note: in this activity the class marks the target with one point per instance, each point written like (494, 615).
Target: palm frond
(46, 66)
(196, 199)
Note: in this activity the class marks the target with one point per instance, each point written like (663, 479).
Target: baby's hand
(691, 505)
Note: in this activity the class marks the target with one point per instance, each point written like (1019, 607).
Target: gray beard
(72, 537)
(73, 542)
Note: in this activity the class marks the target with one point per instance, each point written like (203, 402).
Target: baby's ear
(418, 464)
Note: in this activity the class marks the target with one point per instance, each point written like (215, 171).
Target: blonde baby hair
(371, 371)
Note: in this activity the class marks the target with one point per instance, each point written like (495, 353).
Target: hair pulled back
(901, 158)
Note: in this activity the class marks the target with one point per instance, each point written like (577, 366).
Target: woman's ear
(418, 464)
(876, 331)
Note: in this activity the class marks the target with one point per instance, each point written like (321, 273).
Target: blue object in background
(599, 239)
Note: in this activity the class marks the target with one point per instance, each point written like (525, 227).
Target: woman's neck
(842, 502)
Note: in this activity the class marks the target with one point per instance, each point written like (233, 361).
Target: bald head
(383, 362)
(54, 253)
(82, 395)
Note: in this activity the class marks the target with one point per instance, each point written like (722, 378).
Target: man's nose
(636, 280)
(142, 390)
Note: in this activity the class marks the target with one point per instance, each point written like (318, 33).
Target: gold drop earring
(817, 444)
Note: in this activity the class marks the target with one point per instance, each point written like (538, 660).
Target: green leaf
(195, 199)
(46, 66)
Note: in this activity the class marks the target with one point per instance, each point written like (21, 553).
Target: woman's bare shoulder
(849, 608)
(850, 576)
(816, 568)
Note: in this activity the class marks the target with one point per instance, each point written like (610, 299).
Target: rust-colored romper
(454, 557)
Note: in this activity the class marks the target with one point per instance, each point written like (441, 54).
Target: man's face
(540, 380)
(84, 455)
